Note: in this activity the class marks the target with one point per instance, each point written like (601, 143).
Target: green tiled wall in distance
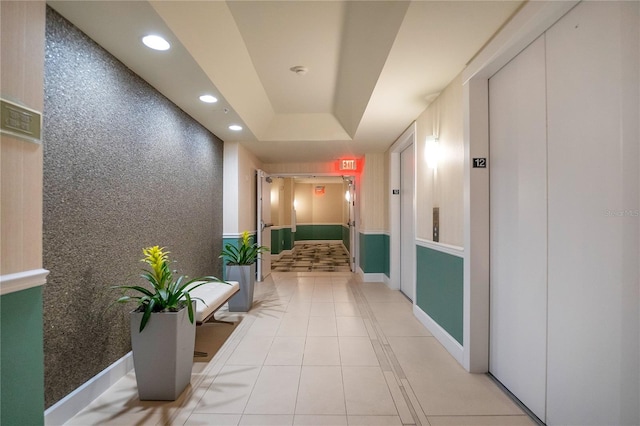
(318, 232)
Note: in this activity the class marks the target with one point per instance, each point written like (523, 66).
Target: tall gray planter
(246, 276)
(163, 354)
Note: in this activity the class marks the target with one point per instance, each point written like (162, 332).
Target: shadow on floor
(211, 336)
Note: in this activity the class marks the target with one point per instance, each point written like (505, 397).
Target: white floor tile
(286, 350)
(374, 421)
(266, 420)
(299, 307)
(230, 390)
(366, 392)
(321, 391)
(351, 326)
(264, 326)
(347, 309)
(442, 386)
(480, 421)
(322, 326)
(323, 293)
(341, 295)
(357, 351)
(321, 350)
(252, 350)
(206, 419)
(322, 309)
(275, 391)
(293, 324)
(319, 420)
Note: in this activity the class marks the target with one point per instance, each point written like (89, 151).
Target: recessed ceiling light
(209, 99)
(156, 42)
(235, 127)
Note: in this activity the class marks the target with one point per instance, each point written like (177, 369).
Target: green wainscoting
(345, 238)
(287, 237)
(387, 256)
(318, 232)
(374, 253)
(22, 354)
(439, 289)
(281, 239)
(276, 241)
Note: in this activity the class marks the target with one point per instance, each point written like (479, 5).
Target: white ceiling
(374, 66)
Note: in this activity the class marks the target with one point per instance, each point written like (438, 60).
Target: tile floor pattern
(318, 349)
(318, 257)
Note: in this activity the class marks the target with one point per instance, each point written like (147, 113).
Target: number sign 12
(479, 163)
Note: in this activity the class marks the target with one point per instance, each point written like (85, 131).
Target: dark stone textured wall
(124, 168)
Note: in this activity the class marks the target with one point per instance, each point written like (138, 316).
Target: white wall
(230, 177)
(302, 168)
(239, 196)
(372, 194)
(277, 192)
(312, 208)
(443, 186)
(21, 171)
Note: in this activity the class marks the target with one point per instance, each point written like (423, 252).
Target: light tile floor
(318, 349)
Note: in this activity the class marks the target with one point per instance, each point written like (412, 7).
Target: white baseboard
(72, 404)
(372, 277)
(392, 284)
(450, 344)
(387, 281)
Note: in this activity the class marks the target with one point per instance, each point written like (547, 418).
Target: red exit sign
(348, 165)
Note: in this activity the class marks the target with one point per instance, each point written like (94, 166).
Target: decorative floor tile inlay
(320, 257)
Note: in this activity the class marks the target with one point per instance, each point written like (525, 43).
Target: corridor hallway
(318, 349)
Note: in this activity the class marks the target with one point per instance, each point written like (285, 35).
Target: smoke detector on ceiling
(299, 69)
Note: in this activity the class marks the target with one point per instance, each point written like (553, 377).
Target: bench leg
(212, 318)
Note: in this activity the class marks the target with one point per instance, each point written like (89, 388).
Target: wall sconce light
(432, 152)
(347, 195)
(295, 204)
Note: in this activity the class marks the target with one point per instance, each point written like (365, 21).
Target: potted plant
(241, 266)
(162, 328)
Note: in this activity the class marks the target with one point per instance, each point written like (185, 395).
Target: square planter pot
(246, 276)
(163, 354)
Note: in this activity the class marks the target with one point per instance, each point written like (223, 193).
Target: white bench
(214, 295)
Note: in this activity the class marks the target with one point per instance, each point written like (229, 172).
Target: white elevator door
(518, 235)
(407, 232)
